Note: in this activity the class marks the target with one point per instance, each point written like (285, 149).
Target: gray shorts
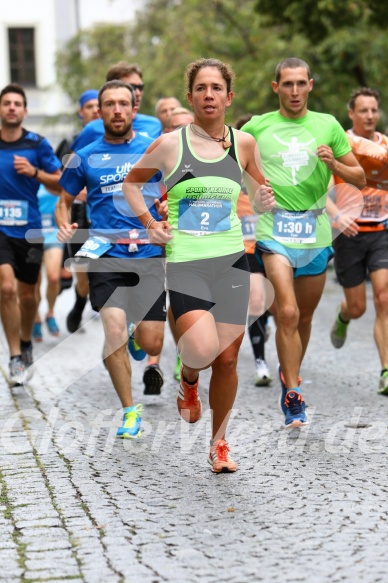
(219, 285)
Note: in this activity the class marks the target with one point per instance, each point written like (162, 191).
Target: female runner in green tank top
(207, 273)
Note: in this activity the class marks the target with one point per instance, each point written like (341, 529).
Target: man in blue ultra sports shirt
(144, 125)
(126, 273)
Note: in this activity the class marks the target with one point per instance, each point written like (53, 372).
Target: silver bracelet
(149, 222)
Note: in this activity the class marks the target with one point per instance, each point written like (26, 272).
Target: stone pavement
(307, 506)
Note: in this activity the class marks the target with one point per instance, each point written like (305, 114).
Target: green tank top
(202, 197)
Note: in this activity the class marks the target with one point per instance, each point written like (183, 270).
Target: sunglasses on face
(139, 87)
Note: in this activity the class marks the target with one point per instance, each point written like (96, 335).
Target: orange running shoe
(219, 457)
(188, 401)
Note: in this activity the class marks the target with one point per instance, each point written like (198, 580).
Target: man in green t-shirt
(300, 149)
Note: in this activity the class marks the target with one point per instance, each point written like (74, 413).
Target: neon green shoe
(131, 422)
(383, 383)
(338, 332)
(178, 366)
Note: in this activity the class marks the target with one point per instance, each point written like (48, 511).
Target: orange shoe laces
(287, 399)
(222, 451)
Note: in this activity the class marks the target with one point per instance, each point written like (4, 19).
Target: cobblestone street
(307, 506)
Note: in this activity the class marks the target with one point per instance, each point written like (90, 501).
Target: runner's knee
(381, 301)
(8, 291)
(287, 315)
(356, 310)
(152, 345)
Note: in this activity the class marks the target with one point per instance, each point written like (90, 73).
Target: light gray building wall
(31, 32)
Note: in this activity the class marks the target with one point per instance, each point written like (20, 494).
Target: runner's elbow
(361, 180)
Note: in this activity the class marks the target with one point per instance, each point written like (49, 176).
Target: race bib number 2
(294, 227)
(204, 216)
(13, 212)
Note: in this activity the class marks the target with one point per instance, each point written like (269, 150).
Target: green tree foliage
(170, 34)
(347, 44)
(317, 19)
(343, 42)
(166, 36)
(83, 63)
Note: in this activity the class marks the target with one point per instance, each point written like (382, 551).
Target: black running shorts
(356, 256)
(254, 265)
(24, 257)
(137, 286)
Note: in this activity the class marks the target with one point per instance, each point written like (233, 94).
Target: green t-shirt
(298, 178)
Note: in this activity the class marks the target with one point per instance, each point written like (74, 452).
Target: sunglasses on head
(140, 87)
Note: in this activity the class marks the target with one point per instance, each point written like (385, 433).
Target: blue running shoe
(282, 397)
(130, 428)
(52, 326)
(37, 332)
(295, 410)
(134, 349)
